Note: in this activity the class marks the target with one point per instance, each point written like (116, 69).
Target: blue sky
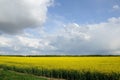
(85, 11)
(59, 27)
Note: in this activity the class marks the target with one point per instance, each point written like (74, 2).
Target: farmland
(70, 68)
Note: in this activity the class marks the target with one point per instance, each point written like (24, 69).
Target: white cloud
(22, 44)
(28, 42)
(4, 42)
(101, 38)
(16, 15)
(116, 7)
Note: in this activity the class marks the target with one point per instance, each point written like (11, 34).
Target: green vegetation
(70, 68)
(10, 75)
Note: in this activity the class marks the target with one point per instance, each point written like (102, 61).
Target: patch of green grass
(10, 75)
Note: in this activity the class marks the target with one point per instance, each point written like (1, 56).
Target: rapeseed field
(70, 68)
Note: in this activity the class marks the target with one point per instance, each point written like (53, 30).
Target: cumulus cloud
(21, 44)
(101, 38)
(16, 15)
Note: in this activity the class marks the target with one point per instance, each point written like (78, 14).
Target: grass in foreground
(10, 75)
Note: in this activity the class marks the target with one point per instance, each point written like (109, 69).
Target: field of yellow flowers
(70, 68)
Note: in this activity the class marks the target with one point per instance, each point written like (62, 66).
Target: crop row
(64, 74)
